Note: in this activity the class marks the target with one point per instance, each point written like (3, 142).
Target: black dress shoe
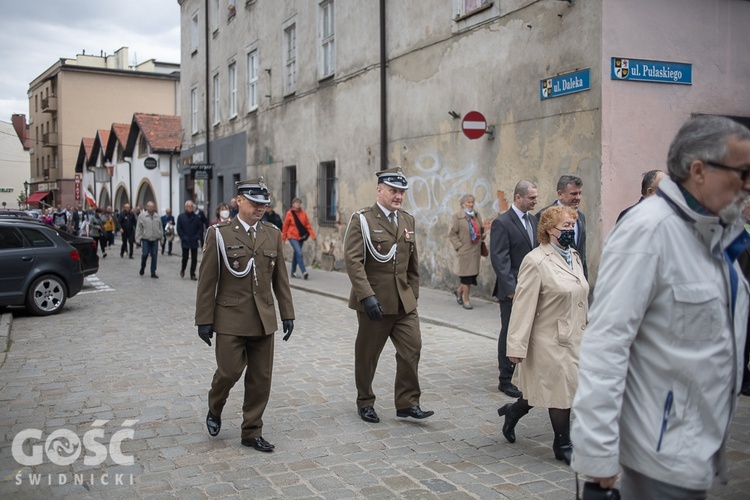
(368, 414)
(258, 443)
(141, 272)
(510, 390)
(563, 452)
(194, 278)
(213, 424)
(509, 425)
(414, 412)
(155, 276)
(182, 273)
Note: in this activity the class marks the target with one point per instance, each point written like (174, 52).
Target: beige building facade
(74, 97)
(318, 95)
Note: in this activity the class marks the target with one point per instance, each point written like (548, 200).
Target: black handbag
(301, 229)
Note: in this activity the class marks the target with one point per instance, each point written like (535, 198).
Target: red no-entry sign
(474, 125)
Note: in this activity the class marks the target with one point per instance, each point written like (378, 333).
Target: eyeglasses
(744, 172)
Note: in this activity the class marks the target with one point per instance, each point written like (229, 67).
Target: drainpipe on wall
(208, 124)
(130, 181)
(383, 93)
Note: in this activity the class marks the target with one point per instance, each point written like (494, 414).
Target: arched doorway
(121, 197)
(104, 198)
(146, 194)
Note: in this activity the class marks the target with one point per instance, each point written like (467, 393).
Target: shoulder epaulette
(363, 210)
(406, 212)
(270, 224)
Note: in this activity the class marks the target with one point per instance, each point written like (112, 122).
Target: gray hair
(566, 179)
(702, 138)
(648, 181)
(522, 188)
(463, 199)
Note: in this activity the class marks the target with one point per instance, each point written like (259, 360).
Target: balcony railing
(49, 104)
(50, 139)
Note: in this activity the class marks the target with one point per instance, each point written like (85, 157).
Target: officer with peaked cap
(242, 269)
(381, 259)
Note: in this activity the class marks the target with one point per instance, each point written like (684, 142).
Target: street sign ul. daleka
(641, 70)
(566, 84)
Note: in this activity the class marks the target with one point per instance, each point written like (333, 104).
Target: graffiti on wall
(435, 189)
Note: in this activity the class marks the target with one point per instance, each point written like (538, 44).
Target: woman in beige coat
(549, 315)
(466, 235)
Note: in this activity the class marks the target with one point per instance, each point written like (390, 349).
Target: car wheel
(47, 295)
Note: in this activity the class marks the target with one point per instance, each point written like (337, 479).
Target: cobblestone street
(126, 350)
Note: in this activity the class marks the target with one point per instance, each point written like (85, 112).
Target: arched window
(142, 146)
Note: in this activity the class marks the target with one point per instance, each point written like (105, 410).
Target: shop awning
(37, 197)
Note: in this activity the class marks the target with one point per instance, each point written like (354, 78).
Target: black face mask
(567, 237)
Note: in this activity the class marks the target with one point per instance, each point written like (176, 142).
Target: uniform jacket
(549, 316)
(469, 254)
(189, 229)
(660, 366)
(148, 227)
(391, 282)
(579, 245)
(509, 244)
(239, 306)
(289, 230)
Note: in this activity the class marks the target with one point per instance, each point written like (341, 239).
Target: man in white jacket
(661, 360)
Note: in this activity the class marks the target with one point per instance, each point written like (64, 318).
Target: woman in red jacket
(297, 229)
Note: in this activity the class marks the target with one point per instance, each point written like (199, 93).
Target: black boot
(561, 446)
(513, 412)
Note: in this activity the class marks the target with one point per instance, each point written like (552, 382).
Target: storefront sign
(201, 170)
(565, 84)
(641, 70)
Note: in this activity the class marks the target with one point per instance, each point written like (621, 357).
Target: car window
(9, 238)
(36, 238)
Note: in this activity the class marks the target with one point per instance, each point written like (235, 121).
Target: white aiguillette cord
(223, 255)
(369, 246)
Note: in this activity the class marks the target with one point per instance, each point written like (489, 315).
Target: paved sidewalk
(124, 356)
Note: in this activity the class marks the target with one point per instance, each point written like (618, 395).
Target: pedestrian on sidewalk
(128, 222)
(189, 229)
(512, 236)
(168, 226)
(222, 214)
(272, 217)
(466, 234)
(96, 229)
(661, 359)
(297, 230)
(242, 263)
(148, 234)
(380, 251)
(549, 315)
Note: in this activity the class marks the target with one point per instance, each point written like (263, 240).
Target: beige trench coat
(468, 254)
(550, 311)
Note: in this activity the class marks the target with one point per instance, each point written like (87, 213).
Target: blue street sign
(566, 84)
(641, 70)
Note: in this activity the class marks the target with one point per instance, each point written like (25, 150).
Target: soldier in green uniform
(381, 259)
(242, 269)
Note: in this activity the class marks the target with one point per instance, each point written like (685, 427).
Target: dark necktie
(529, 231)
(392, 220)
(251, 233)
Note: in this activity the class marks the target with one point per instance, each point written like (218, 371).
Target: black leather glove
(206, 333)
(373, 309)
(288, 328)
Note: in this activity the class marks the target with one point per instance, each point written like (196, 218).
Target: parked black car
(86, 246)
(38, 268)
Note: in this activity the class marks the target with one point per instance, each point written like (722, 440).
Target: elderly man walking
(148, 234)
(661, 360)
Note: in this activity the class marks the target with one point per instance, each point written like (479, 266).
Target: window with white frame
(194, 110)
(290, 59)
(194, 33)
(327, 42)
(217, 112)
(252, 80)
(233, 90)
(466, 7)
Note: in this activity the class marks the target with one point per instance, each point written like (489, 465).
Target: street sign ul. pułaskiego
(565, 84)
(641, 70)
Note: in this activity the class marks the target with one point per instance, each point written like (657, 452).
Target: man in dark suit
(512, 236)
(569, 192)
(242, 269)
(649, 185)
(380, 251)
